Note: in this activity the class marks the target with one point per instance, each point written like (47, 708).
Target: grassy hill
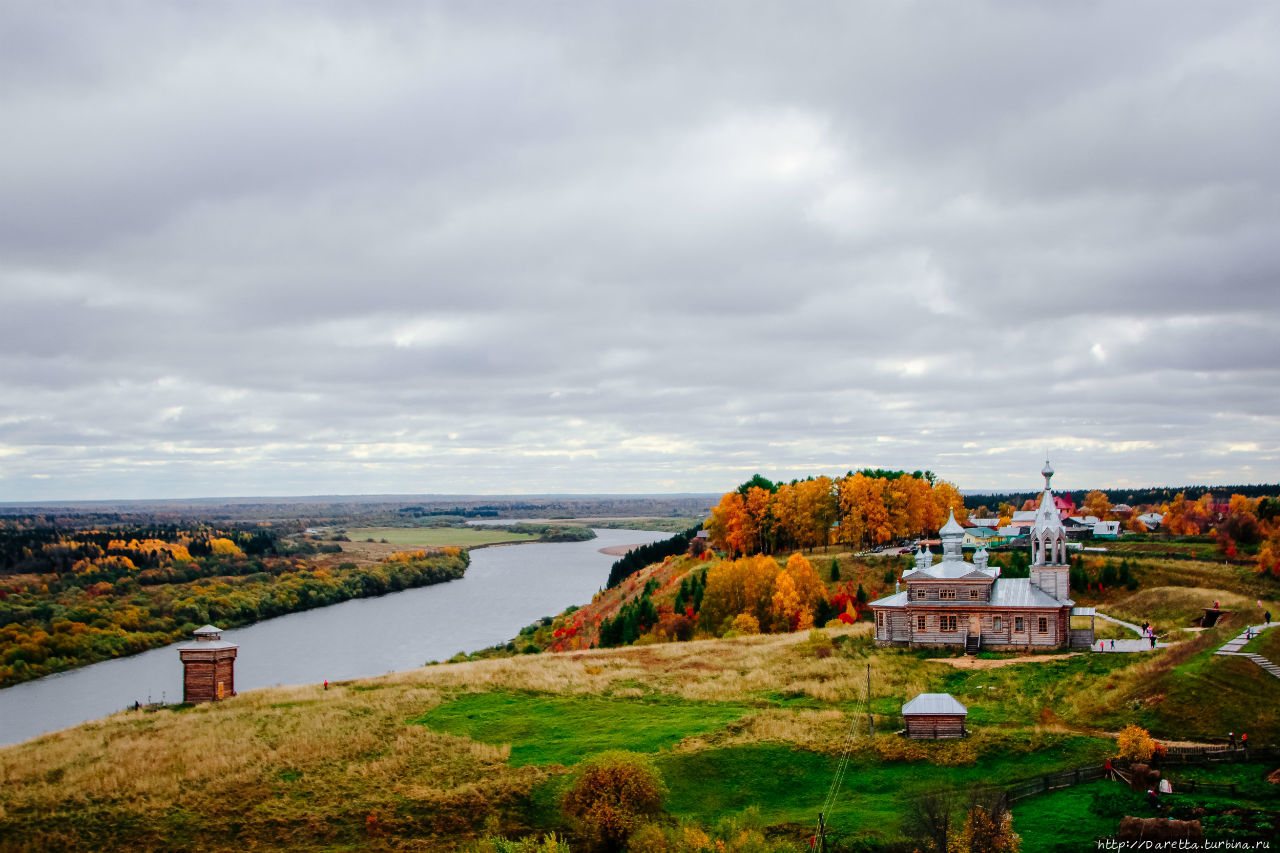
(747, 731)
(444, 755)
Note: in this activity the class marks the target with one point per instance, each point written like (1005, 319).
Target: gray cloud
(610, 247)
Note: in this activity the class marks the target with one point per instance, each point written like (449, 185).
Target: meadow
(747, 731)
(444, 755)
(430, 537)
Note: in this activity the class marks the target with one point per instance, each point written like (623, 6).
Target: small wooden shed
(208, 667)
(934, 715)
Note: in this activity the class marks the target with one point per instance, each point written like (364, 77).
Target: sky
(597, 247)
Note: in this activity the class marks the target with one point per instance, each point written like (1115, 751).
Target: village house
(969, 605)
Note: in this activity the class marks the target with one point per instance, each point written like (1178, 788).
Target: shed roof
(934, 703)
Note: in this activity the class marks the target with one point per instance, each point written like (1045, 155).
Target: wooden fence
(1052, 781)
(1176, 756)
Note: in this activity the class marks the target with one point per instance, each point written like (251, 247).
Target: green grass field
(785, 784)
(1068, 820)
(424, 537)
(558, 729)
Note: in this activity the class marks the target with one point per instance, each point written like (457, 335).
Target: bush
(611, 796)
(1135, 744)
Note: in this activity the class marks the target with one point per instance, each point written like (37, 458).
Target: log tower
(208, 667)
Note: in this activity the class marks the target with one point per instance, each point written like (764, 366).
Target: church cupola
(952, 537)
(1047, 473)
(924, 558)
(980, 558)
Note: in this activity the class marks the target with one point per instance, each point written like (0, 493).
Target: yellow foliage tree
(786, 603)
(222, 547)
(1135, 743)
(1097, 504)
(745, 623)
(808, 585)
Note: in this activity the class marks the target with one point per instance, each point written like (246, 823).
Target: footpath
(1234, 647)
(1141, 644)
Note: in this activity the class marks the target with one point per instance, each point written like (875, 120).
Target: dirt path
(996, 663)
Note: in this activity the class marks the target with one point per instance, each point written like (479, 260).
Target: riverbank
(54, 624)
(503, 590)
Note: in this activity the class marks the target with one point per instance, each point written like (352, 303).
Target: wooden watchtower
(208, 667)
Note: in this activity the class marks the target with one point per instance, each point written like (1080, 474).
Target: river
(504, 589)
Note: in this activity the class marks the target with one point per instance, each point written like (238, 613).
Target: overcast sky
(319, 248)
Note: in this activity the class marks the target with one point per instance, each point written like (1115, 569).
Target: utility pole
(870, 729)
(821, 840)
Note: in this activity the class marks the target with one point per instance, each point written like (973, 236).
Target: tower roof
(1047, 473)
(951, 528)
(1047, 517)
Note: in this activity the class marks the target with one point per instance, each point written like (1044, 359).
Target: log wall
(203, 671)
(934, 726)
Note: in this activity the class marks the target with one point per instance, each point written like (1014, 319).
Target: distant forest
(1132, 497)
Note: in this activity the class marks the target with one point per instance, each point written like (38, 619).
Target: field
(425, 537)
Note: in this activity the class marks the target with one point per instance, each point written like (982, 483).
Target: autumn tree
(987, 828)
(612, 794)
(785, 610)
(1097, 504)
(1135, 743)
(1241, 523)
(745, 585)
(946, 498)
(809, 587)
(1183, 517)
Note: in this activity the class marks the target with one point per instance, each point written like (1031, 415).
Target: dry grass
(1174, 607)
(250, 761)
(308, 768)
(265, 759)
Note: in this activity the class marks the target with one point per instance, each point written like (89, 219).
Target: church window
(1017, 624)
(879, 620)
(973, 594)
(948, 623)
(1043, 626)
(949, 594)
(920, 623)
(997, 623)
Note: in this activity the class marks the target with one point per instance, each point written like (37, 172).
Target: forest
(870, 507)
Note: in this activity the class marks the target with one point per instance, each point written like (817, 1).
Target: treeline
(869, 507)
(655, 552)
(1133, 497)
(49, 550)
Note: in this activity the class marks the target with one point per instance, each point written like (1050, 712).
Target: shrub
(1135, 744)
(612, 795)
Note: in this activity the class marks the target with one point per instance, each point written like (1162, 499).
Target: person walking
(1231, 736)
(1244, 740)
(1267, 616)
